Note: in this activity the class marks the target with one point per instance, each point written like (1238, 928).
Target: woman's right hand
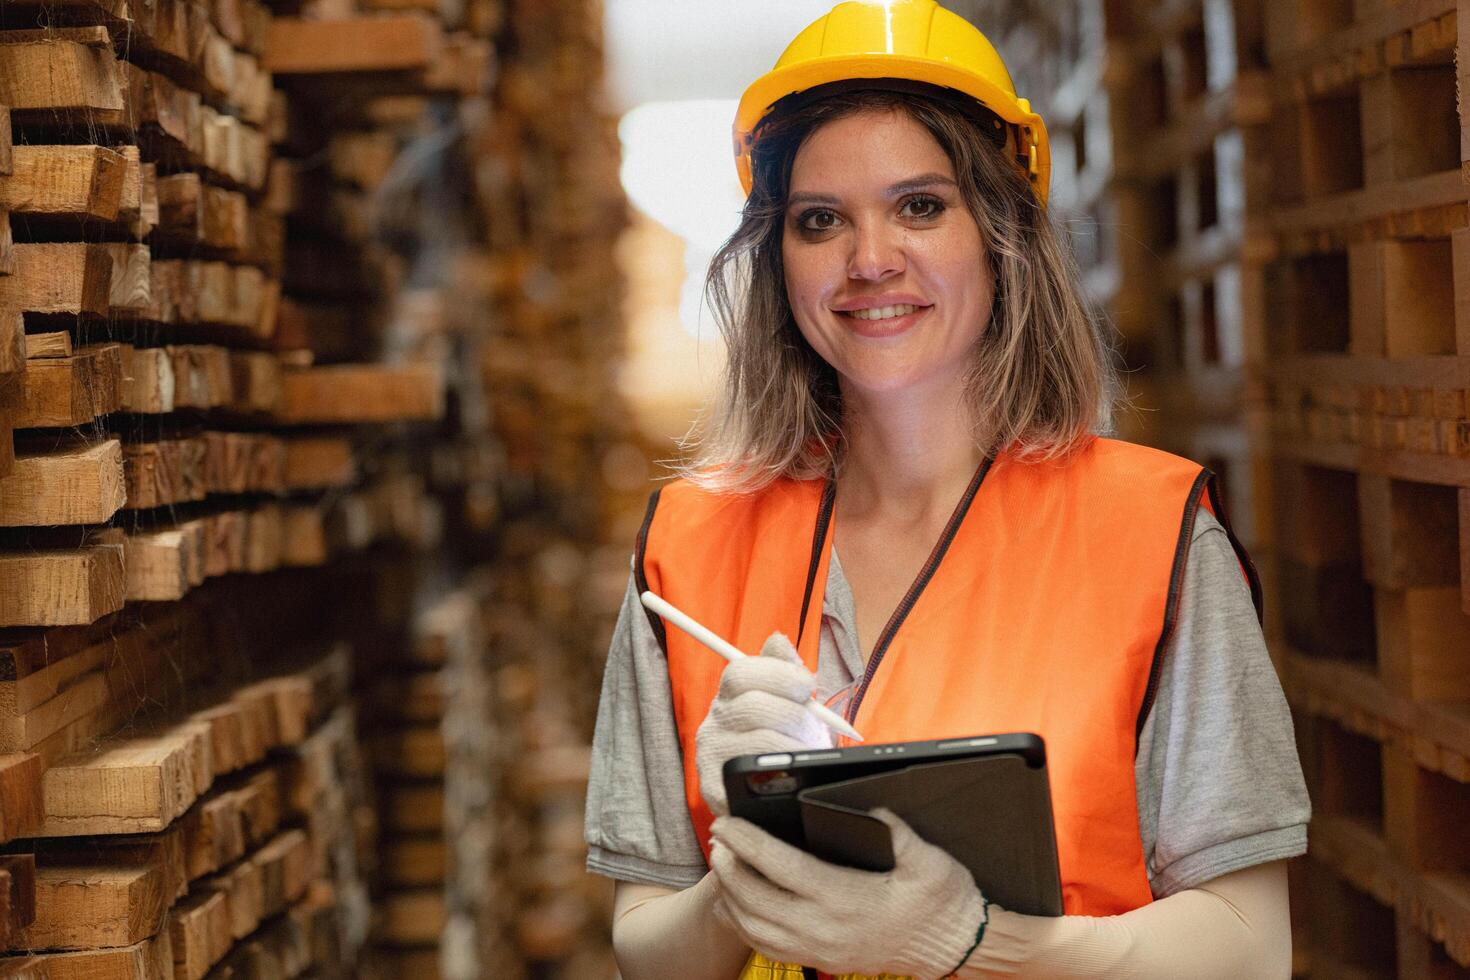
(760, 708)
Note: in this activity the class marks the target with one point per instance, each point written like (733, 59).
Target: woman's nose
(877, 253)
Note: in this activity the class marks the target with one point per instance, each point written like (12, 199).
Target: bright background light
(676, 70)
(677, 170)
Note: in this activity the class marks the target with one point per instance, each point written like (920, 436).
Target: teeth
(883, 312)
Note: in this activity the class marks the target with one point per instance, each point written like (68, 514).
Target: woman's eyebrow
(919, 183)
(896, 190)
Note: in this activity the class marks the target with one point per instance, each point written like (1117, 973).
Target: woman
(903, 478)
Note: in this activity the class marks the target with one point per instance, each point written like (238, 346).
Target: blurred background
(341, 342)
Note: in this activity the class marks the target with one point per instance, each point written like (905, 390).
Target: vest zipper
(931, 565)
(819, 537)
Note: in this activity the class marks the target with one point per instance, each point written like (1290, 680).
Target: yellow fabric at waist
(758, 967)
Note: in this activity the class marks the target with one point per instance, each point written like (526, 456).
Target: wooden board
(71, 391)
(58, 278)
(361, 393)
(71, 75)
(132, 785)
(85, 906)
(79, 484)
(80, 182)
(319, 463)
(361, 44)
(152, 957)
(61, 588)
(20, 796)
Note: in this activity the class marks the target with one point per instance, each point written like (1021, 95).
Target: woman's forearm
(659, 933)
(1236, 926)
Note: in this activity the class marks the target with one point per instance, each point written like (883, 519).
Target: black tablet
(984, 799)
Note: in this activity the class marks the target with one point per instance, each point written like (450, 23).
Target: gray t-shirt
(1218, 780)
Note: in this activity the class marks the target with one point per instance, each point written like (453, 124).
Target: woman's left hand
(921, 919)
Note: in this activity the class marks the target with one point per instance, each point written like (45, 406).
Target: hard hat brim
(766, 91)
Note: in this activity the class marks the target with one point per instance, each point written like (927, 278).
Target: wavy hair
(1040, 382)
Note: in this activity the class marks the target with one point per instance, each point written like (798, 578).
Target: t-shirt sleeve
(638, 825)
(1220, 785)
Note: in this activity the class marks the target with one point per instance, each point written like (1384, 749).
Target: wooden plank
(164, 565)
(81, 182)
(85, 907)
(361, 393)
(256, 381)
(129, 292)
(243, 462)
(67, 485)
(169, 471)
(152, 957)
(71, 391)
(24, 731)
(148, 385)
(128, 786)
(61, 588)
(58, 278)
(200, 932)
(294, 46)
(20, 793)
(318, 463)
(61, 75)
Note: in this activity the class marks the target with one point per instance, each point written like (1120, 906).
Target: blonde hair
(1040, 383)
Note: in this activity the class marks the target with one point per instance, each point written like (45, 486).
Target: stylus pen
(733, 653)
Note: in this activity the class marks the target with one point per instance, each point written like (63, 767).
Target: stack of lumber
(179, 848)
(437, 753)
(1283, 251)
(1190, 102)
(183, 461)
(1366, 357)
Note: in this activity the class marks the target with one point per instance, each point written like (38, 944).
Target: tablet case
(967, 806)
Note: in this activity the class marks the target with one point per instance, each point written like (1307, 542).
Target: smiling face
(886, 271)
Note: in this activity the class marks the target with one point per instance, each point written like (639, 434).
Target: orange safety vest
(1044, 607)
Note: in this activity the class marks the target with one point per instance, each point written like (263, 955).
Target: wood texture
(71, 391)
(70, 72)
(61, 588)
(69, 485)
(85, 906)
(361, 44)
(83, 182)
(128, 786)
(361, 393)
(58, 278)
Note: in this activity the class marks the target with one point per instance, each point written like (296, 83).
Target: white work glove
(759, 709)
(922, 919)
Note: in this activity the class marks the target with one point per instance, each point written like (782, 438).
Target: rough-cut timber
(69, 485)
(409, 42)
(70, 73)
(58, 278)
(361, 393)
(144, 959)
(65, 181)
(61, 588)
(135, 785)
(86, 907)
(71, 391)
(20, 795)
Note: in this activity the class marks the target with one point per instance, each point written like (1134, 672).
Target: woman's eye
(922, 206)
(817, 219)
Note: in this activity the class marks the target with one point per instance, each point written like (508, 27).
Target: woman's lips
(889, 327)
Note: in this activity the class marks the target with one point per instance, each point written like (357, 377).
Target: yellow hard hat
(908, 40)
